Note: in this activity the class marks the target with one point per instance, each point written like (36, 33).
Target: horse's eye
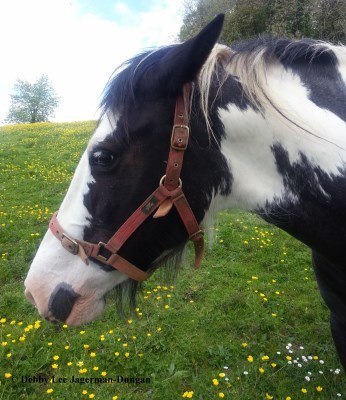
(102, 158)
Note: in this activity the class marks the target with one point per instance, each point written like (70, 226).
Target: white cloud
(121, 8)
(78, 51)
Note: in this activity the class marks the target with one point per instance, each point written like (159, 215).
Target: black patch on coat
(313, 206)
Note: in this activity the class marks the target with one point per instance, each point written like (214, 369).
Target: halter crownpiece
(168, 194)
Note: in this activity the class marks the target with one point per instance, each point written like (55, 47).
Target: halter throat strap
(168, 194)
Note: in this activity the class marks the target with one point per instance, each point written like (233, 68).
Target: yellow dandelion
(222, 374)
(265, 358)
(66, 347)
(50, 390)
(91, 395)
(221, 395)
(55, 366)
(250, 359)
(115, 398)
(69, 363)
(86, 346)
(268, 396)
(92, 354)
(261, 370)
(55, 358)
(84, 392)
(166, 306)
(215, 382)
(304, 390)
(96, 368)
(117, 353)
(8, 375)
(244, 345)
(103, 373)
(319, 388)
(127, 354)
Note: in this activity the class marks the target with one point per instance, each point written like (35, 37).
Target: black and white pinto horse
(268, 134)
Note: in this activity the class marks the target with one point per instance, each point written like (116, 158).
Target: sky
(78, 44)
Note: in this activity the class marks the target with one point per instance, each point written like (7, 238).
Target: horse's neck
(267, 151)
(291, 176)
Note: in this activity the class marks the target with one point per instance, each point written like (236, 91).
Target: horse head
(123, 164)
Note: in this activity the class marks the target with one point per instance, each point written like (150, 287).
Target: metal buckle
(70, 244)
(183, 146)
(99, 257)
(162, 180)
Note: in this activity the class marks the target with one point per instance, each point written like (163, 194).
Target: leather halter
(168, 193)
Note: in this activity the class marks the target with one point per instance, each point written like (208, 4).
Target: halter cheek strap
(168, 194)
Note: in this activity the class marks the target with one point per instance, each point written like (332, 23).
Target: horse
(187, 130)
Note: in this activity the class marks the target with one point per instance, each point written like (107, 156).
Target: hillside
(249, 324)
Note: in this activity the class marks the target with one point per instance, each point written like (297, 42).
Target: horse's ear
(182, 62)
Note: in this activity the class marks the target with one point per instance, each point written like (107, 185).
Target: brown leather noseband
(168, 193)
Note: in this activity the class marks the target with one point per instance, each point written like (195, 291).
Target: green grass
(255, 295)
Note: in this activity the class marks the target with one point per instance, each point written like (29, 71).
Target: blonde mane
(249, 66)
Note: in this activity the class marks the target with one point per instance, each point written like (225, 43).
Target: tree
(318, 19)
(32, 102)
(329, 20)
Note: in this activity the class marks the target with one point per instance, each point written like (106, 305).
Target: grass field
(248, 325)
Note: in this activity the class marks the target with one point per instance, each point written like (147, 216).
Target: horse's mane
(248, 61)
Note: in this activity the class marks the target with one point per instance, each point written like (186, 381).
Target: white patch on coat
(53, 264)
(105, 128)
(340, 53)
(250, 136)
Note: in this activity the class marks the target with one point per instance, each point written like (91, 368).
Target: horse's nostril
(61, 301)
(30, 297)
